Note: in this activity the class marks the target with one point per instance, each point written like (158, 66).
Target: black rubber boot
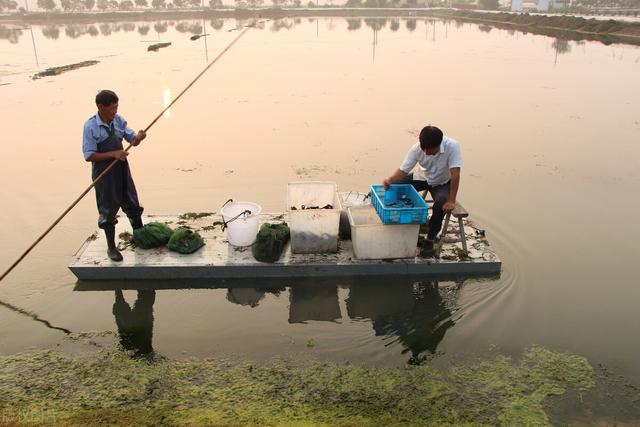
(428, 249)
(112, 250)
(136, 222)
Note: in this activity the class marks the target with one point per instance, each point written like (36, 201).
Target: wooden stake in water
(93, 184)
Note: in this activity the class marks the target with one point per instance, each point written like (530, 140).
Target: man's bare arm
(398, 175)
(453, 191)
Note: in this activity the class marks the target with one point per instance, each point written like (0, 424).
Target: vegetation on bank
(113, 388)
(551, 22)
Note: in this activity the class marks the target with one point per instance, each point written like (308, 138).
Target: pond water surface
(549, 130)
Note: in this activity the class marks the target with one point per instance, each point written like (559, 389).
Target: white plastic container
(243, 230)
(350, 198)
(313, 230)
(374, 240)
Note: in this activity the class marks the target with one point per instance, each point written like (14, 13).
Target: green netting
(185, 241)
(152, 235)
(270, 242)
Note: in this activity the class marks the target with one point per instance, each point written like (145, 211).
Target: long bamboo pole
(95, 181)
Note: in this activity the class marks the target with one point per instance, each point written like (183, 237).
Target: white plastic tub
(374, 240)
(350, 198)
(313, 230)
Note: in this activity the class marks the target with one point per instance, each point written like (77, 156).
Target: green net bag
(152, 235)
(270, 242)
(185, 241)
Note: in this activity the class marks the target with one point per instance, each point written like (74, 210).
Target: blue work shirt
(97, 131)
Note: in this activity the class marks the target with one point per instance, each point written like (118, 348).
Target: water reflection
(217, 24)
(561, 43)
(395, 25)
(143, 30)
(354, 24)
(250, 297)
(412, 313)
(311, 301)
(561, 47)
(33, 316)
(166, 101)
(189, 27)
(51, 32)
(12, 35)
(160, 27)
(135, 325)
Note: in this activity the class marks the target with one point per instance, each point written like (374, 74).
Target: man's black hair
(430, 137)
(106, 97)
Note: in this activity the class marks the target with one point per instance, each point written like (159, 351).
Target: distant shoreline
(560, 26)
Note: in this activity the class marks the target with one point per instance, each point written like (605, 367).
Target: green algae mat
(112, 388)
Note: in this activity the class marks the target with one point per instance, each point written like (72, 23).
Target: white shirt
(436, 169)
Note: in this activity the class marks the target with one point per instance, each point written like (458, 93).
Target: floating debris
(54, 71)
(156, 46)
(197, 36)
(195, 215)
(303, 207)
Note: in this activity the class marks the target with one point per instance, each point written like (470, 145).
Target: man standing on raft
(101, 144)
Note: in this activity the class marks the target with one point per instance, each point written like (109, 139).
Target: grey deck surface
(219, 260)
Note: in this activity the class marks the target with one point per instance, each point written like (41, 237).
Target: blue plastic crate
(384, 200)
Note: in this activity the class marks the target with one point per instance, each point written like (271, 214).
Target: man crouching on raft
(101, 144)
(441, 159)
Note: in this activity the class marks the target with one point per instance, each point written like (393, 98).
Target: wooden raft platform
(219, 260)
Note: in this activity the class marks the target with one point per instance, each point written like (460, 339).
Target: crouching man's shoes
(428, 249)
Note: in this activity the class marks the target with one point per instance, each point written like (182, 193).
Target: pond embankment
(561, 26)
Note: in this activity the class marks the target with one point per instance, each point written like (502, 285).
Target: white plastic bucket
(241, 231)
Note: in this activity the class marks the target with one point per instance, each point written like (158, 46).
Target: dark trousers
(116, 190)
(440, 195)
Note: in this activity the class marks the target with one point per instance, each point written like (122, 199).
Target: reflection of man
(101, 144)
(440, 158)
(425, 327)
(245, 296)
(250, 297)
(135, 326)
(414, 313)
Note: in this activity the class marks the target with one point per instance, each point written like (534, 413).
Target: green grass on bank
(112, 388)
